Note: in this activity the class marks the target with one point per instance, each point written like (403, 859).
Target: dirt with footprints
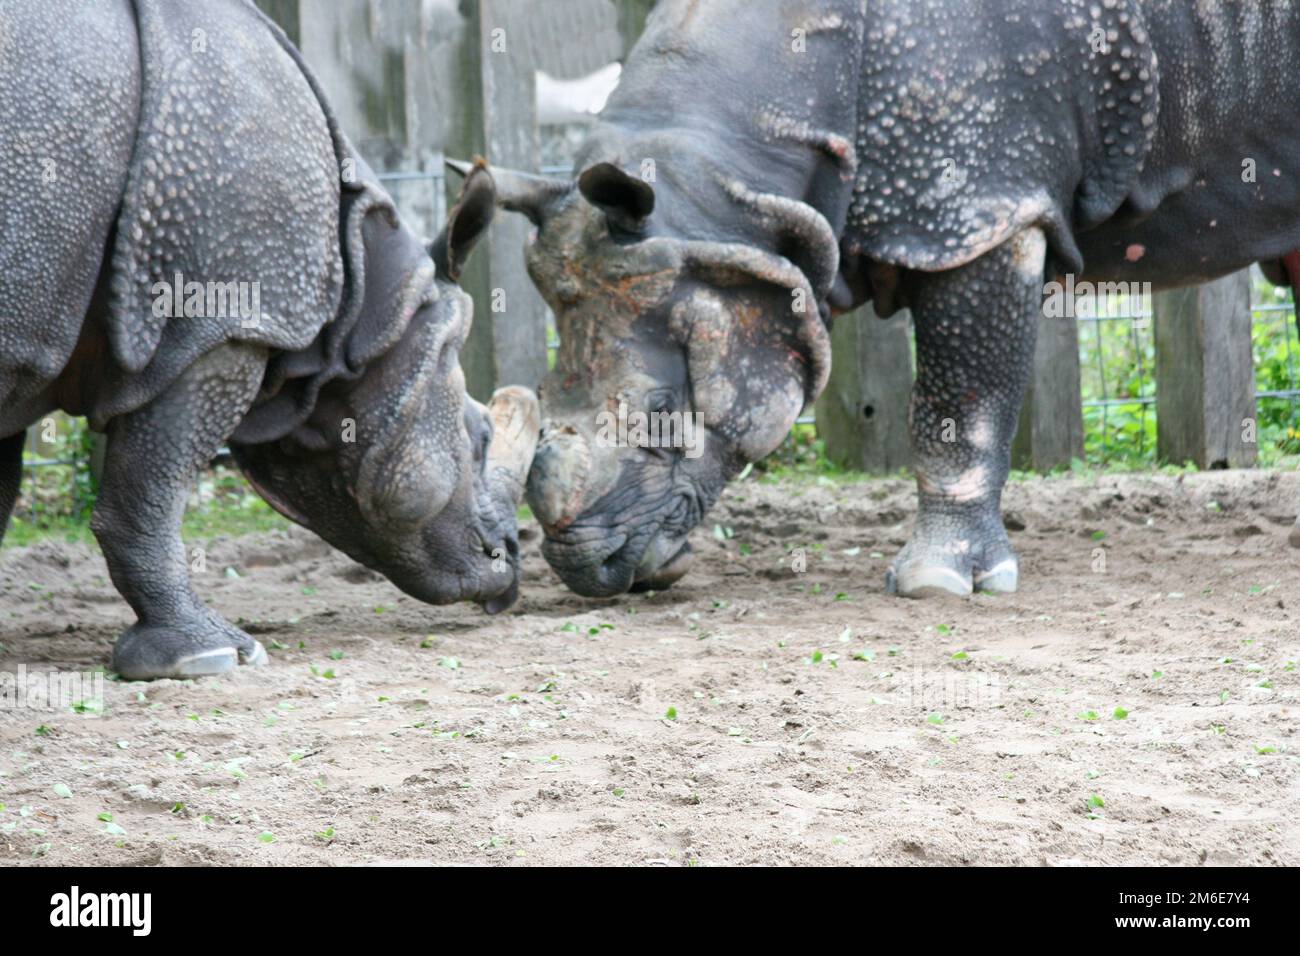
(1136, 702)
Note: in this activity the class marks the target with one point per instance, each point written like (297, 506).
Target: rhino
(765, 165)
(192, 254)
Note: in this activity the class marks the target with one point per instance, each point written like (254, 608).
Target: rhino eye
(666, 436)
(660, 403)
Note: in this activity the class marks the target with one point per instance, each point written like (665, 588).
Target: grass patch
(227, 507)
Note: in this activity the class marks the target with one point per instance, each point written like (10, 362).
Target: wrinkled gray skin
(343, 401)
(948, 156)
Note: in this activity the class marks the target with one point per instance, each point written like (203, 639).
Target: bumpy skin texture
(963, 415)
(65, 173)
(945, 155)
(343, 400)
(653, 334)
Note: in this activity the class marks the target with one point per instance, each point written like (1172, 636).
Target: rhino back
(68, 101)
(926, 133)
(1221, 186)
(977, 119)
(1119, 128)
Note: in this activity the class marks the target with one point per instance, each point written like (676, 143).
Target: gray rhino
(191, 254)
(766, 164)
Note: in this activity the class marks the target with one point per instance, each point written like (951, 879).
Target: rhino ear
(626, 200)
(534, 196)
(466, 223)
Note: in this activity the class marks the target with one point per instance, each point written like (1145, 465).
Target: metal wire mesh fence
(1116, 353)
(1118, 385)
(1117, 365)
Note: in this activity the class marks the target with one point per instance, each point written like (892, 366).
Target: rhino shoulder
(233, 185)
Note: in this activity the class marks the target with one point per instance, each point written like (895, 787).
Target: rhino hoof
(255, 656)
(1004, 578)
(917, 580)
(153, 653)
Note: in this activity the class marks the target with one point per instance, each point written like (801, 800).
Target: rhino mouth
(645, 563)
(506, 549)
(656, 573)
(597, 560)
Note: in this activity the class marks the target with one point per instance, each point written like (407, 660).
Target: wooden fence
(1205, 396)
(413, 82)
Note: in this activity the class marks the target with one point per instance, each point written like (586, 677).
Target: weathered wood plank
(1050, 432)
(411, 82)
(387, 70)
(567, 39)
(498, 119)
(632, 15)
(862, 413)
(287, 14)
(1205, 375)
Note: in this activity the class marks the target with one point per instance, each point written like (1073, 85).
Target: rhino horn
(516, 424)
(532, 195)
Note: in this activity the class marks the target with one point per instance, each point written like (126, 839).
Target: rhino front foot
(975, 332)
(955, 551)
(204, 647)
(151, 462)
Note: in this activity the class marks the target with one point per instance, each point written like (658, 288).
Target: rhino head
(691, 300)
(395, 465)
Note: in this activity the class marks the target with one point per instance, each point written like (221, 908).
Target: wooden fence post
(862, 414)
(497, 110)
(287, 15)
(505, 43)
(387, 71)
(632, 15)
(1205, 374)
(1050, 433)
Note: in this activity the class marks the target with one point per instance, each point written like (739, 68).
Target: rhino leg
(975, 332)
(11, 476)
(152, 459)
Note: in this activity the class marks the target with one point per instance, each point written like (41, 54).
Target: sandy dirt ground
(1135, 703)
